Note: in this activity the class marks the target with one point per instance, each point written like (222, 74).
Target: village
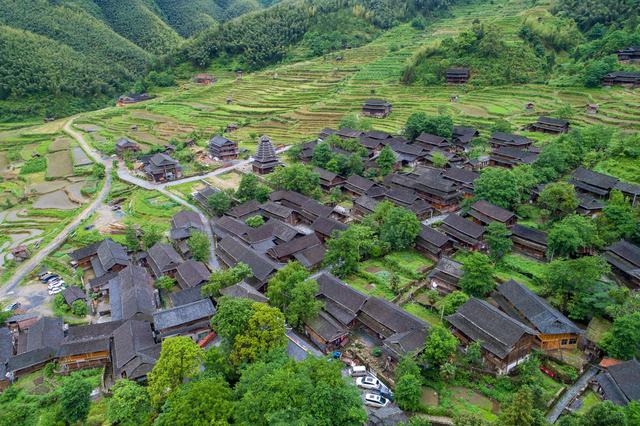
(136, 297)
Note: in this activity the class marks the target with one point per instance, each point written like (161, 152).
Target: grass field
(293, 102)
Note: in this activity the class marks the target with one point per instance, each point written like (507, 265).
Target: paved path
(570, 394)
(434, 219)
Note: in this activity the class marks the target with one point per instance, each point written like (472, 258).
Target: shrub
(79, 308)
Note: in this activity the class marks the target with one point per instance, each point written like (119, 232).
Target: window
(564, 342)
(573, 341)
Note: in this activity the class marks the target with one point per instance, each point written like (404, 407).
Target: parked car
(56, 284)
(55, 291)
(50, 278)
(374, 400)
(358, 370)
(43, 274)
(368, 382)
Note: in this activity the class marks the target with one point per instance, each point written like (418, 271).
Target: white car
(55, 291)
(56, 285)
(368, 382)
(374, 400)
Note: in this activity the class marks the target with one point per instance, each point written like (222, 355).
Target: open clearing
(55, 200)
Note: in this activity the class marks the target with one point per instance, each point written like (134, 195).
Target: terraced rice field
(293, 102)
(59, 164)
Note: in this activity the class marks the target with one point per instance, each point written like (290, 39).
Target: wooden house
(588, 205)
(528, 241)
(190, 320)
(328, 180)
(363, 206)
(483, 213)
(464, 233)
(349, 134)
(629, 54)
(445, 276)
(163, 259)
(245, 210)
(20, 253)
(192, 274)
(629, 190)
(278, 211)
(183, 225)
(131, 295)
(457, 75)
(205, 79)
(286, 251)
(161, 167)
(410, 200)
(329, 330)
(86, 346)
(124, 146)
(433, 244)
(105, 258)
(624, 259)
(325, 227)
(223, 149)
(232, 250)
(505, 342)
(407, 155)
(133, 98)
(499, 139)
(245, 291)
(630, 79)
(307, 209)
(6, 352)
(441, 193)
(509, 157)
(619, 382)
(462, 137)
(592, 183)
(555, 331)
(134, 353)
(554, 126)
(72, 294)
(399, 332)
(463, 178)
(265, 160)
(431, 142)
(202, 196)
(377, 108)
(35, 347)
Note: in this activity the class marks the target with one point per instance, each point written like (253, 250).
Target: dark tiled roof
(326, 226)
(186, 296)
(6, 349)
(276, 209)
(244, 290)
(360, 183)
(163, 257)
(627, 188)
(325, 174)
(220, 141)
(530, 234)
(84, 252)
(187, 219)
(430, 139)
(192, 273)
(552, 121)
(627, 377)
(367, 202)
(272, 229)
(245, 209)
(131, 293)
(312, 256)
(392, 316)
(432, 236)
(449, 267)
(46, 333)
(374, 134)
(534, 309)
(183, 314)
(260, 265)
(588, 202)
(349, 133)
(73, 293)
(227, 225)
(327, 327)
(340, 294)
(510, 139)
(497, 332)
(490, 211)
(591, 181)
(464, 226)
(134, 349)
(458, 174)
(294, 246)
(30, 359)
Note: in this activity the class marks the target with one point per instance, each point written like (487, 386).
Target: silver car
(368, 382)
(374, 400)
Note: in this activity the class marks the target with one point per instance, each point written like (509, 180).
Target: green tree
(79, 308)
(498, 238)
(297, 177)
(220, 202)
(619, 220)
(559, 199)
(208, 401)
(521, 411)
(199, 246)
(439, 160)
(231, 318)
(451, 302)
(605, 413)
(623, 339)
(469, 419)
(255, 221)
(347, 248)
(477, 275)
(251, 189)
(353, 121)
(165, 283)
(440, 346)
(179, 360)
(408, 392)
(264, 332)
(131, 237)
(567, 279)
(223, 278)
(571, 235)
(407, 367)
(386, 160)
(322, 154)
(150, 236)
(294, 294)
(400, 228)
(216, 363)
(283, 391)
(129, 404)
(419, 122)
(498, 186)
(75, 398)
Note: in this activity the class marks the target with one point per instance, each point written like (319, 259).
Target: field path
(572, 393)
(28, 266)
